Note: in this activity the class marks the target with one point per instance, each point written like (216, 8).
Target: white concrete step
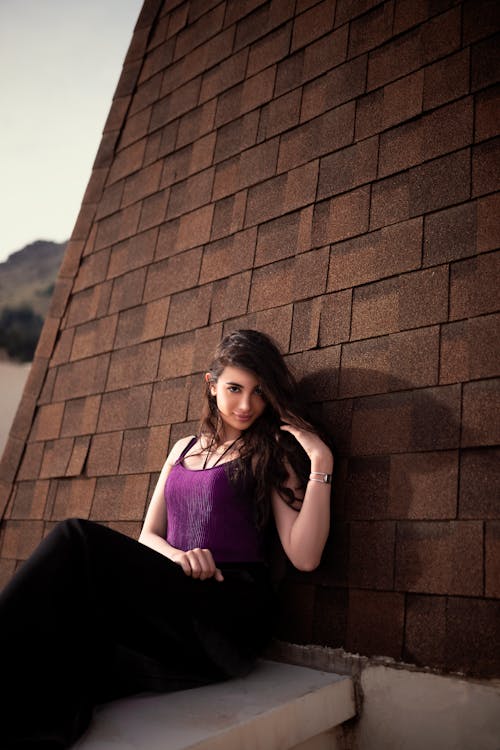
(277, 707)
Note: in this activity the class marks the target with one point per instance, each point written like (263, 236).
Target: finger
(206, 562)
(218, 575)
(194, 563)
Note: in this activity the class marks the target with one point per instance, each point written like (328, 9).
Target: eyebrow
(231, 382)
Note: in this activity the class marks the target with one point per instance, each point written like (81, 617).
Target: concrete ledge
(276, 707)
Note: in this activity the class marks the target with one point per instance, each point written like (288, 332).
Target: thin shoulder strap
(188, 446)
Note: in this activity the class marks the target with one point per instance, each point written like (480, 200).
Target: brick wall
(326, 172)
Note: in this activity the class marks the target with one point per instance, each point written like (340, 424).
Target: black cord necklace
(209, 453)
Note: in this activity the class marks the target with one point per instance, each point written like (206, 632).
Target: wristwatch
(320, 477)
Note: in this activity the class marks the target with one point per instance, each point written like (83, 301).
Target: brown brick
(177, 355)
(190, 309)
(387, 251)
(486, 167)
(492, 561)
(443, 130)
(197, 123)
(486, 114)
(410, 301)
(23, 419)
(236, 136)
(47, 423)
(56, 456)
(81, 378)
(153, 210)
(317, 372)
(80, 416)
(446, 79)
(174, 105)
(199, 31)
(480, 19)
(276, 322)
(280, 114)
(306, 316)
(29, 499)
(327, 133)
(423, 485)
(116, 116)
(471, 631)
(430, 557)
(341, 217)
(223, 76)
(78, 456)
(62, 350)
(190, 194)
(73, 498)
(145, 94)
(126, 161)
(440, 182)
(20, 538)
(425, 630)
(335, 320)
(365, 488)
(390, 201)
(120, 497)
(488, 223)
(142, 323)
(119, 226)
(156, 60)
(272, 48)
(244, 97)
(289, 280)
(375, 623)
(389, 106)
(408, 13)
(135, 127)
(390, 362)
(144, 450)
(170, 401)
(71, 259)
(194, 228)
(230, 297)
(419, 420)
(336, 87)
(228, 256)
(371, 30)
(133, 253)
(371, 555)
(278, 239)
(438, 37)
(312, 24)
(88, 304)
(172, 275)
(484, 63)
(92, 270)
(127, 290)
(480, 424)
(348, 168)
(299, 598)
(229, 214)
(261, 21)
(133, 365)
(474, 286)
(282, 194)
(450, 234)
(48, 382)
(251, 166)
(124, 409)
(469, 349)
(142, 184)
(94, 337)
(479, 484)
(205, 341)
(104, 454)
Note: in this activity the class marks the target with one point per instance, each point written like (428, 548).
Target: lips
(243, 417)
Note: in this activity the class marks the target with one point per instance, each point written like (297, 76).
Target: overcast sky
(60, 61)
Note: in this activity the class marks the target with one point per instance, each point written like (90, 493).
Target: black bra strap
(188, 446)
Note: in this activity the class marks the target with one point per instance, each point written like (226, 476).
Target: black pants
(93, 615)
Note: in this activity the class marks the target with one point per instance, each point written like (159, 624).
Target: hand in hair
(318, 452)
(198, 563)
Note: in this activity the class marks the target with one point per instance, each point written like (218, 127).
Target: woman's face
(239, 397)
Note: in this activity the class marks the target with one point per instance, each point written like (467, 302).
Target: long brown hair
(263, 445)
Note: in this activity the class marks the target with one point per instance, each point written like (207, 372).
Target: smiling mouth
(243, 417)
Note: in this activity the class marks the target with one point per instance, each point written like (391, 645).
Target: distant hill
(27, 280)
(27, 276)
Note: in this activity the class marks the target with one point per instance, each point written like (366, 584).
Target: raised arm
(303, 533)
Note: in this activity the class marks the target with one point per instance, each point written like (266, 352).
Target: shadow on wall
(394, 496)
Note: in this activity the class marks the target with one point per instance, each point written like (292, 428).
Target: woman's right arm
(197, 563)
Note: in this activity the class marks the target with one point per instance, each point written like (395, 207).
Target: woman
(94, 615)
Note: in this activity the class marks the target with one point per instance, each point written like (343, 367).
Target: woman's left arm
(303, 534)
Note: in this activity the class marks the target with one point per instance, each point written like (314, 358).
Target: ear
(210, 382)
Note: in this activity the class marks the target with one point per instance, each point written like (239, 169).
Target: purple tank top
(206, 509)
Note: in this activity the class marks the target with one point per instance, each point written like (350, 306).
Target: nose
(245, 402)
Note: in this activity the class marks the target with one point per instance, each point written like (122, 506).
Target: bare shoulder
(177, 449)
